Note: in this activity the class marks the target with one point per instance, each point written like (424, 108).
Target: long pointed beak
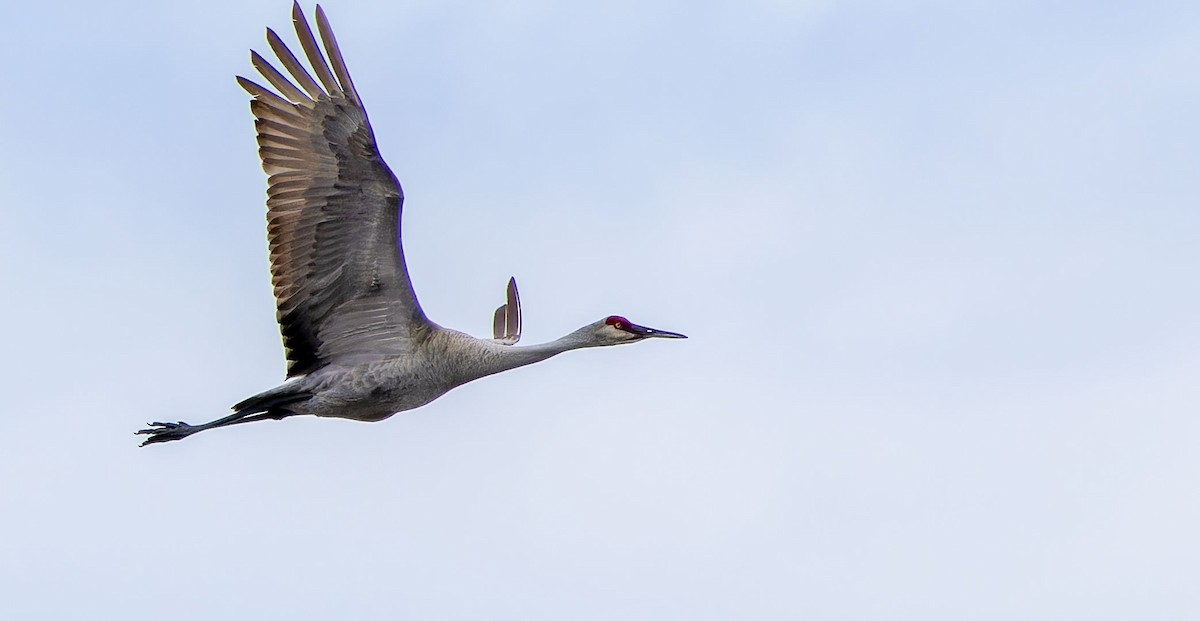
(651, 332)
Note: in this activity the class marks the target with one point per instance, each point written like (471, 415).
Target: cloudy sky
(937, 260)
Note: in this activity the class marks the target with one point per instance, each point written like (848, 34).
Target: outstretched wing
(506, 324)
(333, 210)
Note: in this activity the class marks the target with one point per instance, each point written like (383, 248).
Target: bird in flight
(358, 344)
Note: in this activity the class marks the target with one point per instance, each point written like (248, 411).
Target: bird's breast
(376, 391)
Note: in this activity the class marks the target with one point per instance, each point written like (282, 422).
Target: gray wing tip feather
(332, 77)
(513, 325)
(290, 62)
(498, 324)
(506, 324)
(334, 53)
(313, 51)
(285, 87)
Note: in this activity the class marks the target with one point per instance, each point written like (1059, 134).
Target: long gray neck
(497, 358)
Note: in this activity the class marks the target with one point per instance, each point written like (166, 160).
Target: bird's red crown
(617, 322)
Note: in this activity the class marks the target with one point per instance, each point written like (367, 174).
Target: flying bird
(358, 344)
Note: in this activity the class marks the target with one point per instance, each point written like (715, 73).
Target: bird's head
(616, 330)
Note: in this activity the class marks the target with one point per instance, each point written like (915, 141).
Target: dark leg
(166, 432)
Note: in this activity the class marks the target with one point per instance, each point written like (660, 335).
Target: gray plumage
(358, 344)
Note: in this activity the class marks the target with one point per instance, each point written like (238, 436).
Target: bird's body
(358, 344)
(374, 391)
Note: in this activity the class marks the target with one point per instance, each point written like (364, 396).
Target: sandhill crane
(358, 344)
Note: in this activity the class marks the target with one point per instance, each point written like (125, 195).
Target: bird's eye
(619, 326)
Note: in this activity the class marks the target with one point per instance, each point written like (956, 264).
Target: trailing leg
(249, 411)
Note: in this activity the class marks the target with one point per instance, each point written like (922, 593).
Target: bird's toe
(165, 432)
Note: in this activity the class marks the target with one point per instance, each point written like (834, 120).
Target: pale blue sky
(938, 262)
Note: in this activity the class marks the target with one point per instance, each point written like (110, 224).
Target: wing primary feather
(335, 56)
(293, 65)
(313, 51)
(286, 120)
(285, 87)
(512, 326)
(498, 324)
(264, 96)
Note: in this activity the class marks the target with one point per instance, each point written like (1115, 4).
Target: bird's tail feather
(269, 400)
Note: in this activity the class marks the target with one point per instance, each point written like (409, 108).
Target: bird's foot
(166, 432)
